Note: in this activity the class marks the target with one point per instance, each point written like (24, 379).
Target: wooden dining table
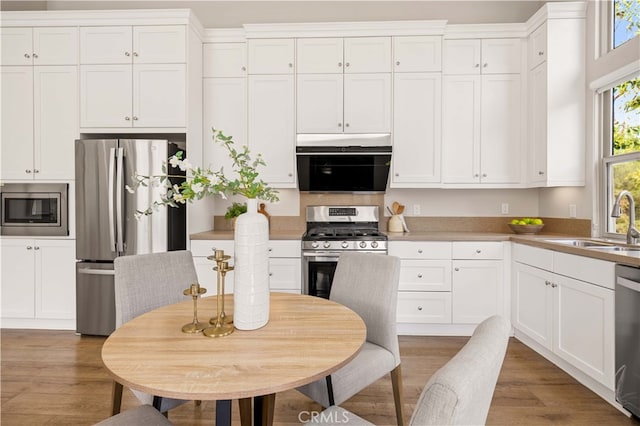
(306, 339)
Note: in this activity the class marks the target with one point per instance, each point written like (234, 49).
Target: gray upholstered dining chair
(368, 284)
(460, 392)
(145, 282)
(144, 415)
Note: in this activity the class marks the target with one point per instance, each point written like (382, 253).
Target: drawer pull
(554, 285)
(478, 251)
(419, 308)
(420, 251)
(456, 269)
(419, 275)
(547, 283)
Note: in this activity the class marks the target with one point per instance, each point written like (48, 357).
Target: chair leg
(198, 402)
(398, 394)
(244, 405)
(116, 395)
(268, 409)
(332, 401)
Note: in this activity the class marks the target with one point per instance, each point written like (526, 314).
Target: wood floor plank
(57, 378)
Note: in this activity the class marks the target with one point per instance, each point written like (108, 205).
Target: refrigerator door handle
(89, 271)
(112, 224)
(119, 209)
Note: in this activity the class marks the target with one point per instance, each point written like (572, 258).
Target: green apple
(537, 221)
(522, 222)
(515, 221)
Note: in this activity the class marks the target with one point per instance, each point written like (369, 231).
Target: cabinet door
(538, 46)
(271, 56)
(367, 54)
(461, 57)
(417, 53)
(320, 103)
(55, 46)
(160, 44)
(537, 128)
(17, 122)
(18, 290)
(501, 56)
(271, 127)
(55, 279)
(416, 125)
(16, 47)
(106, 45)
(367, 103)
(285, 274)
(159, 95)
(225, 108)
(55, 121)
(477, 290)
(500, 160)
(461, 129)
(105, 96)
(584, 327)
(224, 59)
(532, 304)
(319, 56)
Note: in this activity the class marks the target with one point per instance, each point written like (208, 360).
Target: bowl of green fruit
(526, 225)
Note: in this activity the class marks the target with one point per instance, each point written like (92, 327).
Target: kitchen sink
(616, 248)
(581, 243)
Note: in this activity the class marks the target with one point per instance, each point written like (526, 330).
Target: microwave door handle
(119, 209)
(112, 224)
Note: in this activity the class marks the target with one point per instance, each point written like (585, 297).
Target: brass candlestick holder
(222, 324)
(195, 326)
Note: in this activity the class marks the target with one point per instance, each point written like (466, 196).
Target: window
(626, 21)
(622, 151)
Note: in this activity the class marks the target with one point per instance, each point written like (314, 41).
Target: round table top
(306, 339)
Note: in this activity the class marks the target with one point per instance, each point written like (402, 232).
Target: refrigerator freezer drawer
(95, 299)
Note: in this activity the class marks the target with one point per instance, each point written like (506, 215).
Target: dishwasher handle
(631, 285)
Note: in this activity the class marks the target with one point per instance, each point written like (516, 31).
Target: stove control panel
(347, 245)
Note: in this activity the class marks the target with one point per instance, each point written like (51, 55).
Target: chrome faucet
(632, 233)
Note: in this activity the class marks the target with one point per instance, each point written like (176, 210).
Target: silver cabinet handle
(347, 64)
(540, 172)
(27, 171)
(135, 118)
(456, 269)
(243, 68)
(540, 53)
(484, 175)
(419, 308)
(397, 174)
(29, 247)
(485, 65)
(270, 274)
(547, 283)
(290, 174)
(554, 285)
(35, 55)
(419, 275)
(127, 54)
(290, 65)
(127, 118)
(339, 64)
(36, 171)
(26, 55)
(36, 248)
(135, 53)
(477, 66)
(478, 251)
(476, 175)
(346, 125)
(397, 62)
(420, 251)
(339, 124)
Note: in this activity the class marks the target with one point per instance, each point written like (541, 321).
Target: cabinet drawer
(285, 248)
(540, 258)
(424, 307)
(477, 250)
(420, 249)
(596, 271)
(206, 247)
(425, 275)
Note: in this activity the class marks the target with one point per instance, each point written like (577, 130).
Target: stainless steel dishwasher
(627, 322)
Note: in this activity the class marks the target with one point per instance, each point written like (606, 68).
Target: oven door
(317, 272)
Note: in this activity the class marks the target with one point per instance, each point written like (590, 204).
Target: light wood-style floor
(57, 378)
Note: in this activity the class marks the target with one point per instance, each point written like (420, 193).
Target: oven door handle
(631, 285)
(325, 255)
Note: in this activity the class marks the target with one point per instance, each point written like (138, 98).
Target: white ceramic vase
(251, 269)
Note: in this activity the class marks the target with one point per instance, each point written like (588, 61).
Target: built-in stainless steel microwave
(34, 209)
(343, 163)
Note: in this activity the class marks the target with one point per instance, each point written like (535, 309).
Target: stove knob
(315, 244)
(363, 244)
(374, 244)
(327, 244)
(344, 244)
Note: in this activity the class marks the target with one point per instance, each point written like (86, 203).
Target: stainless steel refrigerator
(106, 223)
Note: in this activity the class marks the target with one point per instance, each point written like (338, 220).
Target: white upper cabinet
(486, 56)
(557, 104)
(417, 53)
(126, 44)
(367, 103)
(17, 122)
(224, 60)
(367, 54)
(320, 55)
(416, 129)
(320, 103)
(271, 56)
(133, 77)
(39, 46)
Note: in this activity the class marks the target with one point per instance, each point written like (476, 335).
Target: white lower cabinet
(285, 265)
(571, 318)
(38, 282)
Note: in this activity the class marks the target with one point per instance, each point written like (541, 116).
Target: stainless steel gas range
(332, 230)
